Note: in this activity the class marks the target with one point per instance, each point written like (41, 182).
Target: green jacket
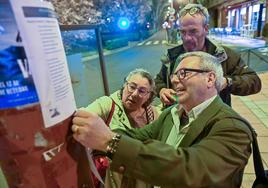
(102, 106)
(213, 153)
(245, 80)
(3, 182)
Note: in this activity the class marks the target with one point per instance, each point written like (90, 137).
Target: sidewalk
(238, 41)
(255, 109)
(232, 41)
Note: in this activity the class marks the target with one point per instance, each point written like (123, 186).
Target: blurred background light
(123, 23)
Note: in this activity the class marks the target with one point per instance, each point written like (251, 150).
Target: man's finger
(83, 113)
(80, 121)
(75, 129)
(163, 98)
(172, 92)
(170, 97)
(166, 100)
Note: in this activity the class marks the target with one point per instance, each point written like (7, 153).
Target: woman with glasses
(132, 109)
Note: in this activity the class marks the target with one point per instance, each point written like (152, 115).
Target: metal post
(102, 63)
(171, 3)
(260, 20)
(266, 12)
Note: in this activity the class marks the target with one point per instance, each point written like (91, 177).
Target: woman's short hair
(144, 74)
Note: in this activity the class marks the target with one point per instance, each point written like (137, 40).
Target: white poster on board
(40, 32)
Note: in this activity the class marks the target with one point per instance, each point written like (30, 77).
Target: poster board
(37, 103)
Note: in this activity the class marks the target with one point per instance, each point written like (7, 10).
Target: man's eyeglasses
(132, 87)
(192, 11)
(182, 73)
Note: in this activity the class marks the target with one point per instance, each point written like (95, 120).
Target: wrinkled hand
(90, 130)
(167, 96)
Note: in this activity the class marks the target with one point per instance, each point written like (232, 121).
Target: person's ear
(206, 29)
(211, 79)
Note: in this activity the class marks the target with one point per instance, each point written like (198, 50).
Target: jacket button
(121, 169)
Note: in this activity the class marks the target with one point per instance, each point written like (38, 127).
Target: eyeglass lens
(182, 73)
(141, 90)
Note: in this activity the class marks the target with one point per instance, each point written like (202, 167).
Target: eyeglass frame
(179, 76)
(194, 9)
(139, 89)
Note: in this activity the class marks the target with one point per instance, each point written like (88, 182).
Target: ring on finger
(76, 129)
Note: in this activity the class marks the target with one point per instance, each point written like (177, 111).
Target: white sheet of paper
(92, 165)
(40, 33)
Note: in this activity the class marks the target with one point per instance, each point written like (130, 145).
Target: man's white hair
(207, 62)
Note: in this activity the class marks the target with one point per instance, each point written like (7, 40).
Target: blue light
(123, 23)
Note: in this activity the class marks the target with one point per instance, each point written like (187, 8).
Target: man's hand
(91, 131)
(167, 96)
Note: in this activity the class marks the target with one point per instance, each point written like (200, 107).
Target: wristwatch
(112, 145)
(229, 81)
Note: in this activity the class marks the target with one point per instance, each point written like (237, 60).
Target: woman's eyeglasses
(132, 87)
(182, 73)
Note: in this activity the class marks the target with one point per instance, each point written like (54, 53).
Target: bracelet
(112, 145)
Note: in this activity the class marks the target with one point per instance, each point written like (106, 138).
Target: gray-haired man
(239, 78)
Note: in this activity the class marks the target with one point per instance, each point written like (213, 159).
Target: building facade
(248, 16)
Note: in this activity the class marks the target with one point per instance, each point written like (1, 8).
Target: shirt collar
(193, 114)
(176, 111)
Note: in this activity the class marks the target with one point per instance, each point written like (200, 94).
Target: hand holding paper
(90, 130)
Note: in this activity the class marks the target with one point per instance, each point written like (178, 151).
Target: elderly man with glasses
(239, 79)
(208, 149)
